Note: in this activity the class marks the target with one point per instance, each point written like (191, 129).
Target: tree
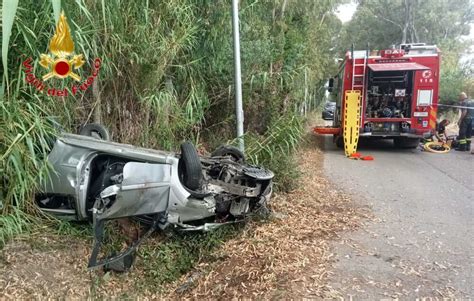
(386, 22)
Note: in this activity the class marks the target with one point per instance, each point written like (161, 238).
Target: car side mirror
(330, 84)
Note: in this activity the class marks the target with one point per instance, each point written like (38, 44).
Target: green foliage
(80, 230)
(13, 224)
(26, 118)
(24, 144)
(167, 260)
(456, 75)
(166, 76)
(275, 150)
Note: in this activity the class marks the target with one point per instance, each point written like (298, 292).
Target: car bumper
(395, 134)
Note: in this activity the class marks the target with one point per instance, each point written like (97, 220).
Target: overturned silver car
(99, 180)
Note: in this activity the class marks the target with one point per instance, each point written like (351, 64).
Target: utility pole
(237, 75)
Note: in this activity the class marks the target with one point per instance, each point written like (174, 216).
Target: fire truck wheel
(339, 141)
(403, 142)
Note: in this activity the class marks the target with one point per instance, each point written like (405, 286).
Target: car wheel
(190, 167)
(229, 150)
(95, 130)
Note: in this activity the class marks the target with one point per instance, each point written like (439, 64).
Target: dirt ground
(289, 256)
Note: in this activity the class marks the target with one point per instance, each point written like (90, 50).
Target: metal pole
(237, 74)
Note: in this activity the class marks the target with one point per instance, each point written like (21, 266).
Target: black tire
(339, 142)
(95, 130)
(229, 150)
(190, 167)
(408, 143)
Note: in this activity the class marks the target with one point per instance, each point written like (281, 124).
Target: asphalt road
(421, 240)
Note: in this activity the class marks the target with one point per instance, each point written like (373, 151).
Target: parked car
(328, 111)
(99, 180)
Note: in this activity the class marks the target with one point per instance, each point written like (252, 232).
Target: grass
(13, 224)
(24, 133)
(275, 150)
(167, 260)
(73, 229)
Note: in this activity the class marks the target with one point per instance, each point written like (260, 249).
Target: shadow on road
(325, 143)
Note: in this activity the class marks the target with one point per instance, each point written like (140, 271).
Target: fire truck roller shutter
(397, 67)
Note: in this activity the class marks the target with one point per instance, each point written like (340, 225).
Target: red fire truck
(399, 92)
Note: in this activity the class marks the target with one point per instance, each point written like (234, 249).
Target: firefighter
(465, 122)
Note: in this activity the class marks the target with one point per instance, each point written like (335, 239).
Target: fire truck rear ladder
(359, 75)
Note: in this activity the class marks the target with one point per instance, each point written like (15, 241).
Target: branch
(283, 8)
(379, 14)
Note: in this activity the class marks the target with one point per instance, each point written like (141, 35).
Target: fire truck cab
(399, 92)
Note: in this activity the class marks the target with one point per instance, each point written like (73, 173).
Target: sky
(345, 11)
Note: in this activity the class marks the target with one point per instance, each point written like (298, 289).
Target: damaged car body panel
(100, 181)
(145, 189)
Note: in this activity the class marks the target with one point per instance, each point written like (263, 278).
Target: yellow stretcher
(351, 124)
